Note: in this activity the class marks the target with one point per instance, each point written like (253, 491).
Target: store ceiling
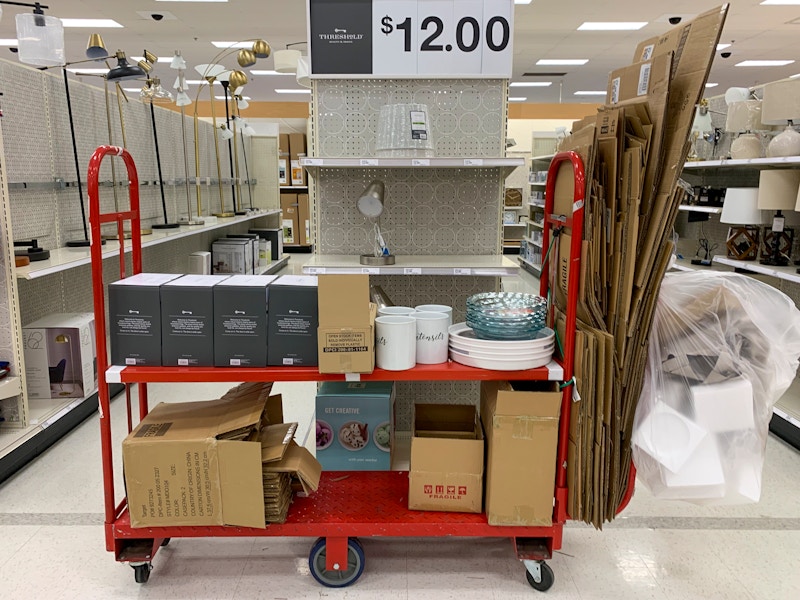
(543, 29)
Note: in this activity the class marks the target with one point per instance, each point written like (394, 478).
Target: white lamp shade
(777, 189)
(702, 122)
(304, 71)
(736, 94)
(744, 116)
(286, 60)
(225, 133)
(209, 70)
(40, 40)
(741, 207)
(781, 102)
(182, 99)
(242, 103)
(178, 62)
(248, 130)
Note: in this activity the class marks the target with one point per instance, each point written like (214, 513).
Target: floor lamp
(224, 79)
(151, 93)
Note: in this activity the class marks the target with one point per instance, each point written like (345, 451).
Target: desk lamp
(777, 190)
(741, 210)
(371, 204)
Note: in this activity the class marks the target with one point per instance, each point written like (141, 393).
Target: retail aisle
(51, 543)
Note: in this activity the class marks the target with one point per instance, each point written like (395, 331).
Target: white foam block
(703, 468)
(668, 436)
(726, 406)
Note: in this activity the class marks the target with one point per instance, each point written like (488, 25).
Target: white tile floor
(51, 543)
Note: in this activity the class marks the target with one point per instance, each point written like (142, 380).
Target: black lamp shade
(124, 71)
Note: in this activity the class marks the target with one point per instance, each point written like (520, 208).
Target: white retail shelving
(786, 273)
(489, 266)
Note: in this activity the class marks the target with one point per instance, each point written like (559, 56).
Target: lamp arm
(28, 4)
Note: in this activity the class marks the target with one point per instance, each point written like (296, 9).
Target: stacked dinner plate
(506, 315)
(500, 355)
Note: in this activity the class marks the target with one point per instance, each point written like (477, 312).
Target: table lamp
(744, 118)
(371, 204)
(777, 190)
(702, 129)
(741, 209)
(781, 106)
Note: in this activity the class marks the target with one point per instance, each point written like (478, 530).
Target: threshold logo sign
(341, 37)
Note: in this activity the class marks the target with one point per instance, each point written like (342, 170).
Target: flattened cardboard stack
(633, 153)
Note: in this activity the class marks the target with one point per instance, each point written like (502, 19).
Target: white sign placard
(407, 38)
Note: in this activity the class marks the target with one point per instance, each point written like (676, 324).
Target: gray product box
(232, 256)
(134, 316)
(293, 321)
(253, 237)
(240, 321)
(275, 237)
(187, 321)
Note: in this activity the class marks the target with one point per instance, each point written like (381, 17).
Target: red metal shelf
(450, 371)
(360, 504)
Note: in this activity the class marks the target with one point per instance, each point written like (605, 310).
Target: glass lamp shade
(304, 71)
(155, 93)
(225, 133)
(241, 103)
(777, 189)
(182, 99)
(702, 122)
(741, 207)
(286, 60)
(40, 40)
(177, 62)
(248, 131)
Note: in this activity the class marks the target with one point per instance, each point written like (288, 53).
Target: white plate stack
(500, 355)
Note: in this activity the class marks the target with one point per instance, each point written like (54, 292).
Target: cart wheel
(141, 572)
(165, 542)
(336, 579)
(547, 578)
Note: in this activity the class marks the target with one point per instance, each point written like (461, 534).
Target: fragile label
(445, 492)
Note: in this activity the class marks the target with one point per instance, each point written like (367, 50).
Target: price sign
(407, 38)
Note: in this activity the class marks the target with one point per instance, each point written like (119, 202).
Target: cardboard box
(297, 148)
(187, 321)
(446, 471)
(303, 219)
(254, 242)
(232, 256)
(290, 219)
(60, 356)
(521, 441)
(194, 464)
(134, 315)
(275, 239)
(283, 159)
(240, 321)
(355, 426)
(346, 337)
(293, 321)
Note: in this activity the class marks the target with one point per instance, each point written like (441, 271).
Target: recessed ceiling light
(781, 2)
(764, 63)
(267, 72)
(562, 61)
(233, 44)
(612, 25)
(722, 46)
(517, 99)
(530, 84)
(298, 91)
(217, 97)
(94, 23)
(711, 85)
(8, 42)
(590, 93)
(89, 71)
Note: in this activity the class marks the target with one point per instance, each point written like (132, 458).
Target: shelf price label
(396, 38)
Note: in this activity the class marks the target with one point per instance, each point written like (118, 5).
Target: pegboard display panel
(428, 211)
(467, 117)
(263, 160)
(409, 393)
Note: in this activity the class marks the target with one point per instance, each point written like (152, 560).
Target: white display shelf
(711, 210)
(513, 207)
(274, 266)
(10, 387)
(535, 224)
(295, 188)
(489, 266)
(536, 205)
(506, 164)
(533, 242)
(788, 406)
(684, 264)
(531, 265)
(786, 273)
(520, 224)
(754, 163)
(547, 157)
(63, 259)
(538, 183)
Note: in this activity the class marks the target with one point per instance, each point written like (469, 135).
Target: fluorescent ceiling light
(612, 25)
(561, 61)
(161, 59)
(794, 76)
(217, 97)
(133, 89)
(711, 85)
(722, 46)
(90, 71)
(517, 99)
(200, 81)
(590, 93)
(268, 72)
(8, 42)
(530, 84)
(764, 63)
(522, 1)
(94, 23)
(233, 44)
(781, 2)
(298, 91)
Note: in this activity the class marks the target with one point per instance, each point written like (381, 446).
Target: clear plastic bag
(723, 349)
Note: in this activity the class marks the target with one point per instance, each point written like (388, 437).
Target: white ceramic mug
(432, 337)
(395, 342)
(395, 311)
(437, 308)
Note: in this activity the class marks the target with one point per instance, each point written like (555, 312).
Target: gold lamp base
(223, 215)
(126, 235)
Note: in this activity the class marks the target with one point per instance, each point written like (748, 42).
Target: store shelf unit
(711, 210)
(531, 252)
(471, 266)
(332, 512)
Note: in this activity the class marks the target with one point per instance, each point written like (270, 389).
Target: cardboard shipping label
(346, 341)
